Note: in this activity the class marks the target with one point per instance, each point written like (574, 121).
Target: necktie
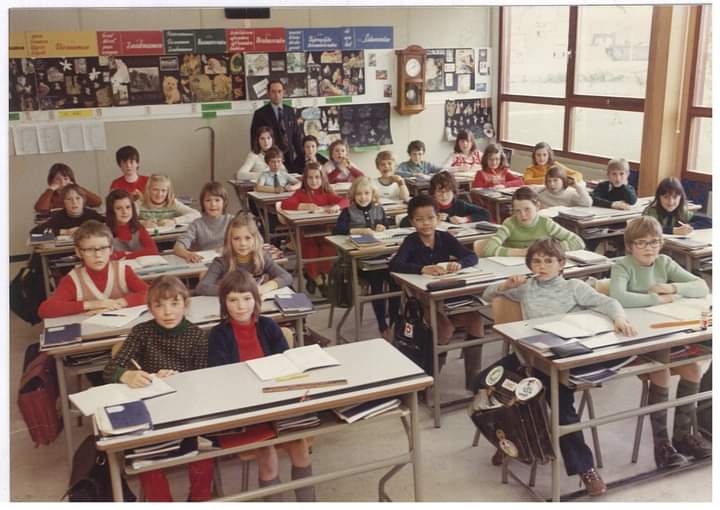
(278, 114)
(276, 182)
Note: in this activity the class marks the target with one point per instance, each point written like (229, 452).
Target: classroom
(522, 194)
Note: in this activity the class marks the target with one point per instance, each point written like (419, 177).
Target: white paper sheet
(49, 139)
(71, 136)
(25, 140)
(94, 135)
(116, 318)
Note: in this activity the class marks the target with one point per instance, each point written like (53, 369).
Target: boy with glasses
(645, 277)
(99, 284)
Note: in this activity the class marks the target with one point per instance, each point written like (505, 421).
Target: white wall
(172, 146)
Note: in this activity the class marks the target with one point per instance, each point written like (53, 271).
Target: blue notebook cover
(362, 240)
(60, 335)
(129, 414)
(295, 303)
(42, 237)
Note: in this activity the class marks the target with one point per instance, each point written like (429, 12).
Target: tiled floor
(451, 468)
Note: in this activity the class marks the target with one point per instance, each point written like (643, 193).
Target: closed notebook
(295, 303)
(362, 241)
(61, 335)
(124, 418)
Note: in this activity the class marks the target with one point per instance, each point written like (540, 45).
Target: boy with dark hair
(128, 159)
(416, 165)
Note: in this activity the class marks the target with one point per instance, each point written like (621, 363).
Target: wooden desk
(312, 224)
(647, 341)
(465, 233)
(192, 410)
(265, 203)
(421, 185)
(687, 256)
(242, 188)
(204, 312)
(417, 284)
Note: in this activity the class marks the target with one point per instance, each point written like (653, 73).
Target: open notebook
(577, 325)
(291, 362)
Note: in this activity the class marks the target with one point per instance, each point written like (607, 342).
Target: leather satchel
(413, 337)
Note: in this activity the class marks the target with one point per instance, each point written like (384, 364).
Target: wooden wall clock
(411, 80)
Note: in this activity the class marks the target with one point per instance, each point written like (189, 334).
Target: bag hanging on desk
(27, 291)
(37, 396)
(340, 292)
(413, 337)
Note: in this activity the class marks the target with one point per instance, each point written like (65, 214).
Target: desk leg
(299, 326)
(46, 274)
(65, 408)
(555, 430)
(115, 480)
(436, 363)
(415, 445)
(356, 293)
(266, 222)
(299, 261)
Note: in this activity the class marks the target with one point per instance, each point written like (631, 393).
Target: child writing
(131, 240)
(389, 185)
(429, 251)
(548, 293)
(366, 216)
(128, 159)
(645, 277)
(525, 225)
(161, 347)
(315, 194)
(670, 207)
(243, 249)
(244, 335)
(255, 164)
(495, 171)
(615, 193)
(310, 154)
(208, 231)
(543, 158)
(465, 156)
(416, 165)
(275, 179)
(59, 176)
(71, 216)
(159, 207)
(563, 190)
(340, 168)
(99, 284)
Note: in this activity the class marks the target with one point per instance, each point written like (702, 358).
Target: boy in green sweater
(645, 278)
(524, 227)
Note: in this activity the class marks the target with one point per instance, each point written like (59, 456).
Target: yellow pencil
(291, 377)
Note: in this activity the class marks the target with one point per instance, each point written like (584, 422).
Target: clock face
(412, 67)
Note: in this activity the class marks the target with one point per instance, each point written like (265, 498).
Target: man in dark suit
(281, 119)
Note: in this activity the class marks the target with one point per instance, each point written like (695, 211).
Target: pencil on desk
(674, 324)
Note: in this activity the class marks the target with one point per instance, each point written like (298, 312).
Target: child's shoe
(594, 484)
(693, 445)
(667, 457)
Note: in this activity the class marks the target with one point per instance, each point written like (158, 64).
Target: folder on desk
(61, 335)
(577, 213)
(42, 237)
(294, 304)
(577, 325)
(124, 418)
(364, 241)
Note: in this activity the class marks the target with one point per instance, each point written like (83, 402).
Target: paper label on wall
(94, 136)
(18, 45)
(62, 44)
(239, 39)
(71, 136)
(25, 140)
(49, 139)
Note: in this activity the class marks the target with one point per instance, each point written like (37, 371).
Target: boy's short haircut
(72, 187)
(643, 226)
(215, 189)
(273, 153)
(167, 287)
(383, 156)
(60, 169)
(419, 201)
(414, 146)
(310, 138)
(127, 153)
(618, 164)
(525, 193)
(92, 228)
(549, 247)
(443, 180)
(238, 281)
(558, 173)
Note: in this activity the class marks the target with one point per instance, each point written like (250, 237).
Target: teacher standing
(281, 119)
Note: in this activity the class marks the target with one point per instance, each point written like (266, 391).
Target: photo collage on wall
(80, 82)
(23, 87)
(448, 69)
(359, 125)
(474, 115)
(322, 122)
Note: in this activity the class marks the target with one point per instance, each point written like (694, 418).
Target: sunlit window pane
(703, 75)
(609, 133)
(612, 50)
(535, 50)
(700, 150)
(529, 123)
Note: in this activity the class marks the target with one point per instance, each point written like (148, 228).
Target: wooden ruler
(304, 386)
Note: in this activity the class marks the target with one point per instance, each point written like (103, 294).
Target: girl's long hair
(110, 219)
(670, 186)
(257, 256)
(324, 186)
(161, 178)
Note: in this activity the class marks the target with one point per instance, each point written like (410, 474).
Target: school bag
(413, 337)
(90, 477)
(37, 396)
(27, 291)
(340, 292)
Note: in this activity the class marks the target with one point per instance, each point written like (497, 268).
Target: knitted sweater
(503, 176)
(206, 233)
(512, 234)
(605, 194)
(630, 281)
(360, 217)
(410, 169)
(535, 174)
(121, 183)
(50, 199)
(153, 347)
(317, 197)
(556, 296)
(572, 196)
(62, 220)
(209, 285)
(668, 221)
(181, 213)
(131, 245)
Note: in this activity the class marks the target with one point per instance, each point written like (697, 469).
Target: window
(698, 147)
(564, 71)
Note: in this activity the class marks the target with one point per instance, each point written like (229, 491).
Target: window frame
(570, 101)
(693, 112)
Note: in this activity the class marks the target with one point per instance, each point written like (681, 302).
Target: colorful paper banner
(62, 44)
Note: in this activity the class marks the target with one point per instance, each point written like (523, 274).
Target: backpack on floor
(37, 396)
(27, 291)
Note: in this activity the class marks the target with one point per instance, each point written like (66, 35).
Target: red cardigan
(489, 179)
(317, 197)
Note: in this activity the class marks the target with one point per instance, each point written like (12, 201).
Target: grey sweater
(209, 285)
(570, 196)
(556, 296)
(206, 233)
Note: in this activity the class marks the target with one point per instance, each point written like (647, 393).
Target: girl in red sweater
(495, 171)
(315, 195)
(340, 168)
(131, 239)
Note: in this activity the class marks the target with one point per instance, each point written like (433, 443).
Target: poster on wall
(23, 89)
(335, 73)
(322, 122)
(474, 115)
(359, 125)
(449, 69)
(80, 82)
